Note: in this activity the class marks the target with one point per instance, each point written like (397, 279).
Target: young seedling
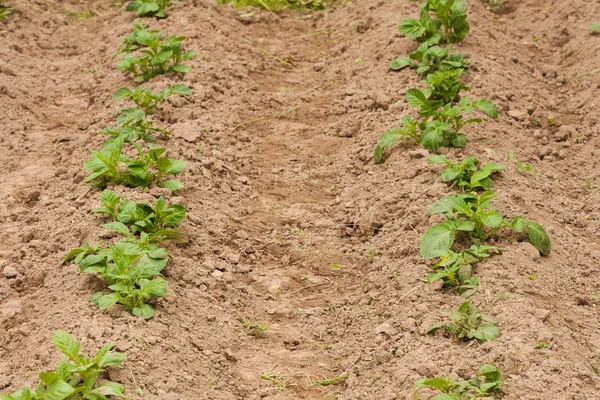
(488, 382)
(146, 100)
(156, 56)
(467, 174)
(140, 217)
(468, 323)
(456, 269)
(473, 214)
(149, 8)
(427, 60)
(106, 164)
(76, 376)
(129, 43)
(522, 167)
(449, 15)
(131, 268)
(134, 127)
(4, 11)
(258, 329)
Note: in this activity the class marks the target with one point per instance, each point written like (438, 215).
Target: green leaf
(386, 140)
(447, 205)
(595, 27)
(539, 238)
(437, 241)
(122, 93)
(112, 359)
(117, 227)
(416, 98)
(66, 344)
(109, 389)
(171, 185)
(486, 107)
(106, 301)
(518, 224)
(411, 28)
(441, 384)
(491, 219)
(400, 63)
(485, 333)
(179, 88)
(176, 214)
(144, 311)
(58, 390)
(181, 68)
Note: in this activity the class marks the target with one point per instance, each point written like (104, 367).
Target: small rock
(318, 67)
(515, 59)
(409, 324)
(277, 170)
(10, 272)
(60, 171)
(517, 114)
(211, 318)
(421, 153)
(564, 133)
(422, 308)
(387, 329)
(243, 179)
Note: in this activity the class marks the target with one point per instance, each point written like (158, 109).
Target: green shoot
(595, 27)
(440, 126)
(146, 100)
(276, 5)
(449, 15)
(456, 269)
(488, 381)
(468, 323)
(76, 375)
(467, 174)
(131, 268)
(522, 167)
(472, 214)
(139, 217)
(149, 8)
(4, 11)
(144, 170)
(258, 329)
(427, 60)
(157, 56)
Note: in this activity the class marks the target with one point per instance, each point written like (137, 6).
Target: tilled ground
(280, 187)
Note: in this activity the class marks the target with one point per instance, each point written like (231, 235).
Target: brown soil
(282, 186)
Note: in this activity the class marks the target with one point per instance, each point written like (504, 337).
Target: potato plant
(468, 323)
(111, 165)
(131, 267)
(150, 8)
(440, 125)
(427, 60)
(486, 384)
(76, 375)
(473, 214)
(276, 5)
(141, 217)
(156, 56)
(448, 15)
(456, 269)
(467, 174)
(147, 100)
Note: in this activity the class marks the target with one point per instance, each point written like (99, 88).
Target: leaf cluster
(448, 15)
(131, 267)
(440, 124)
(468, 323)
(111, 166)
(150, 8)
(140, 217)
(428, 59)
(156, 56)
(456, 269)
(473, 214)
(147, 100)
(488, 382)
(4, 11)
(76, 375)
(467, 174)
(276, 5)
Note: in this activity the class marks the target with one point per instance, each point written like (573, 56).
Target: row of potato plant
(132, 266)
(442, 113)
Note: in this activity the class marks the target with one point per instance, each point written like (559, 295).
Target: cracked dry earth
(289, 221)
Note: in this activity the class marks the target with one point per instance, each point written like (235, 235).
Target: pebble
(517, 114)
(10, 272)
